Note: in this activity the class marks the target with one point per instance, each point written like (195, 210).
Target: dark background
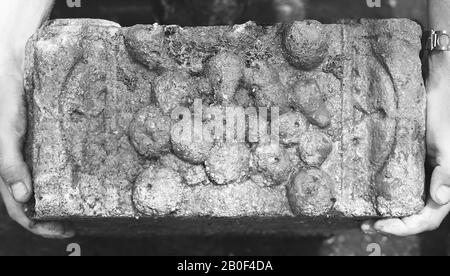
(222, 12)
(15, 241)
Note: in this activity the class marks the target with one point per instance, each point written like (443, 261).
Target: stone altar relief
(294, 120)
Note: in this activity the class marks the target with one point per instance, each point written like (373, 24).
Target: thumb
(14, 171)
(440, 185)
(17, 177)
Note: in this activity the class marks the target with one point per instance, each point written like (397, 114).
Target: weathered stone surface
(98, 95)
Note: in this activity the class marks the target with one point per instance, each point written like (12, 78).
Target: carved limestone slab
(135, 122)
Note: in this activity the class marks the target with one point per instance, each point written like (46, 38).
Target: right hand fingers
(13, 169)
(440, 186)
(51, 230)
(429, 219)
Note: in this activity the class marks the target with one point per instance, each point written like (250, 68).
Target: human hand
(438, 144)
(15, 182)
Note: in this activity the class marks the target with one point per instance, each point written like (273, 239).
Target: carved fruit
(309, 100)
(150, 132)
(225, 71)
(273, 162)
(310, 193)
(305, 44)
(158, 192)
(174, 89)
(314, 148)
(145, 44)
(293, 126)
(228, 163)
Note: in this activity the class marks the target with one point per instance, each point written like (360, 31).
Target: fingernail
(380, 227)
(69, 231)
(69, 234)
(367, 228)
(443, 195)
(19, 191)
(32, 225)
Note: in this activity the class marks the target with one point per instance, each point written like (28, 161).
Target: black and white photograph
(224, 135)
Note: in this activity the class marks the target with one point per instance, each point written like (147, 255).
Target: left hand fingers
(50, 230)
(429, 219)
